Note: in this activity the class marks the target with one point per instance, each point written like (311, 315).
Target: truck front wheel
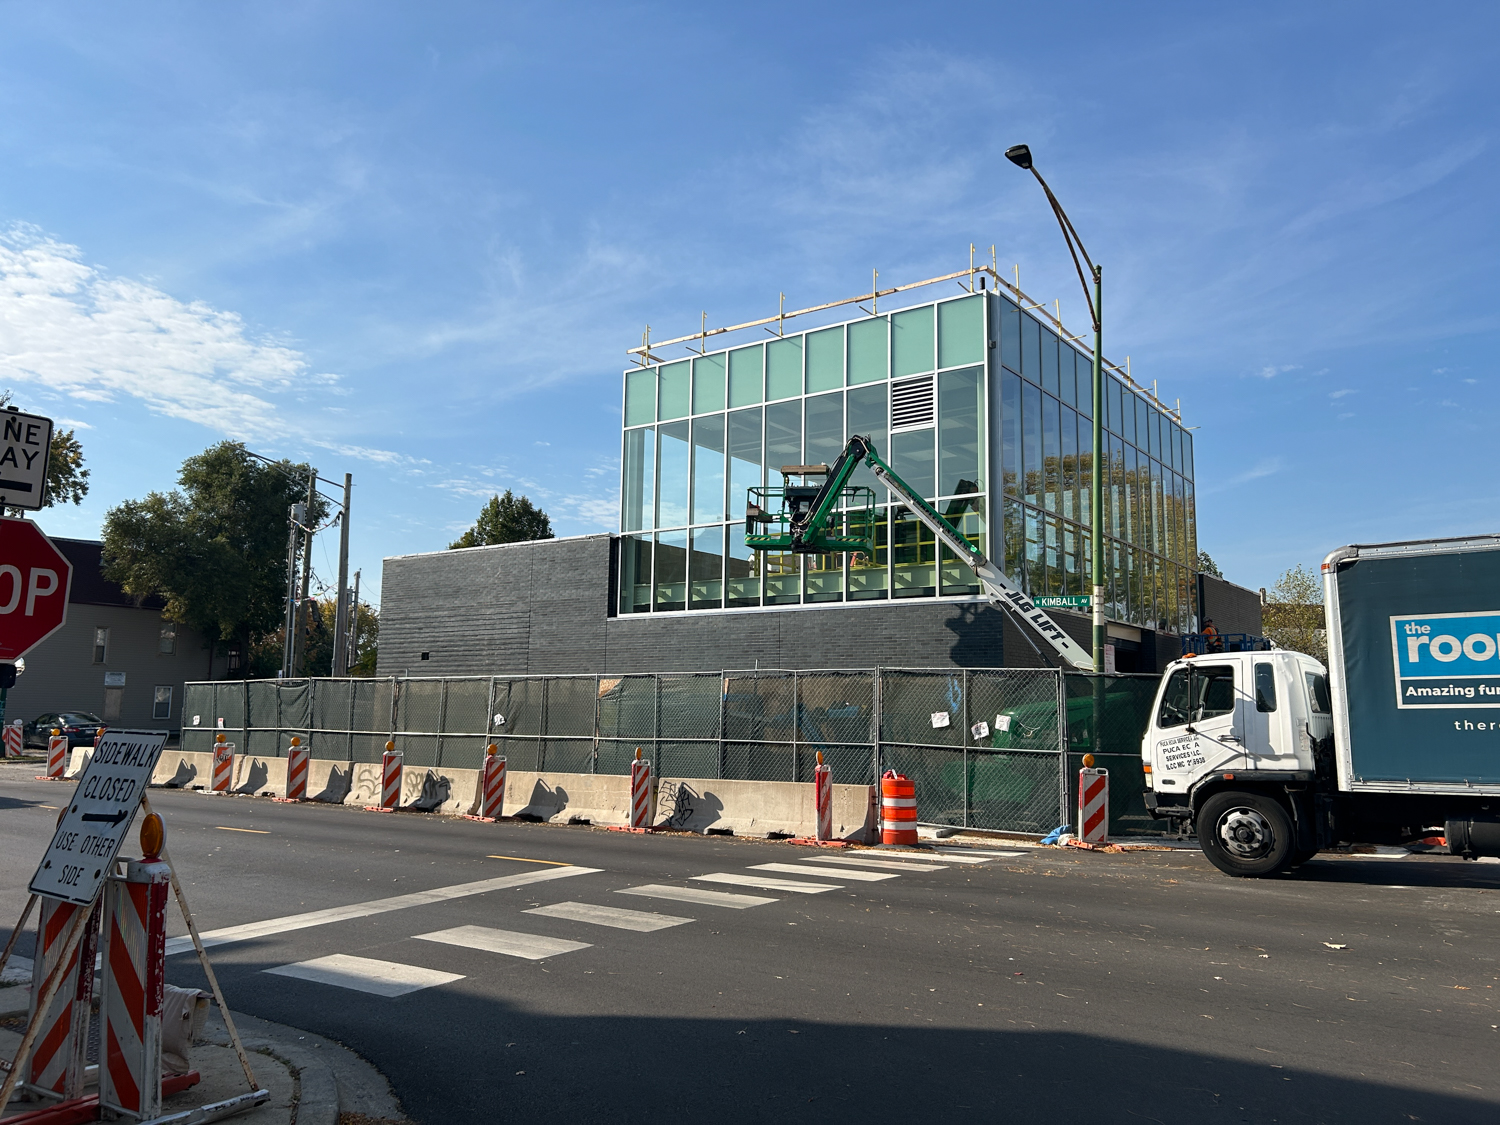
(1246, 834)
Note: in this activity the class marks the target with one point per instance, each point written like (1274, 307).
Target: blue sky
(413, 242)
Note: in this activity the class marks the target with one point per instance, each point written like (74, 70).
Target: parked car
(79, 726)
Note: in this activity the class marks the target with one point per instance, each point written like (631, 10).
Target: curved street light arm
(1075, 246)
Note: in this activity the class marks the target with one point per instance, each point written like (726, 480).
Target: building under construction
(980, 401)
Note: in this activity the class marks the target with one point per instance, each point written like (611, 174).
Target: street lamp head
(1020, 156)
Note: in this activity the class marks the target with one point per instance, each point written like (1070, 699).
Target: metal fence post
(723, 699)
(967, 722)
(877, 719)
(442, 723)
(1062, 747)
(796, 719)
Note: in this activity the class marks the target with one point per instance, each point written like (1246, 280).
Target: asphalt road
(1046, 986)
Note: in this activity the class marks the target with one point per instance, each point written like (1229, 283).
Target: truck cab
(1234, 746)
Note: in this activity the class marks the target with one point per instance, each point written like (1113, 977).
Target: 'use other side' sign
(92, 831)
(25, 442)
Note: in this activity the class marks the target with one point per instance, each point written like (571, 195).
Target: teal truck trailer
(1271, 757)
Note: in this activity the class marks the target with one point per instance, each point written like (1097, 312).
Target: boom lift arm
(809, 514)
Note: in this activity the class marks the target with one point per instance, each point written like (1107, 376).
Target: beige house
(113, 657)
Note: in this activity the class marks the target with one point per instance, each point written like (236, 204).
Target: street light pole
(1020, 155)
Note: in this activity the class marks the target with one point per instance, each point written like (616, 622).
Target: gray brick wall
(1233, 608)
(529, 608)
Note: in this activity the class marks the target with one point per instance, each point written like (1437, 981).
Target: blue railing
(1202, 644)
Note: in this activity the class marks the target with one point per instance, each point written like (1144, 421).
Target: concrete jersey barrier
(746, 808)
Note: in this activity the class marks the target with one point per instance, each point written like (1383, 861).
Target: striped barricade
(640, 792)
(1093, 805)
(823, 799)
(57, 1061)
(491, 787)
(222, 778)
(57, 758)
(898, 809)
(297, 757)
(390, 780)
(134, 963)
(14, 739)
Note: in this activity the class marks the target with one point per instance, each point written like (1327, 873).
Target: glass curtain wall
(925, 384)
(700, 432)
(1046, 458)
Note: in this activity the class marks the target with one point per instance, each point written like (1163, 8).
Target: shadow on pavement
(452, 1056)
(1435, 873)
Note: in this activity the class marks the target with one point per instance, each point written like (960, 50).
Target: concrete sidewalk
(312, 1080)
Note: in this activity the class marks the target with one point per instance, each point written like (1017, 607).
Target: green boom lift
(809, 518)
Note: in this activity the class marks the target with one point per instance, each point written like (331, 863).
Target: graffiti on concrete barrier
(675, 800)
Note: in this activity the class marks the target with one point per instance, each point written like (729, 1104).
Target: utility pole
(296, 514)
(304, 623)
(341, 617)
(351, 656)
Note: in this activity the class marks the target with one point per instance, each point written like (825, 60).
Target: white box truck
(1271, 758)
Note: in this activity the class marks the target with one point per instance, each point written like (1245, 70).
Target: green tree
(319, 659)
(1207, 565)
(506, 519)
(1293, 613)
(67, 479)
(215, 548)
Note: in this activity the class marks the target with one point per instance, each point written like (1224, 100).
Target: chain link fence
(987, 748)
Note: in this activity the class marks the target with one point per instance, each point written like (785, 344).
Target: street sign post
(89, 836)
(25, 442)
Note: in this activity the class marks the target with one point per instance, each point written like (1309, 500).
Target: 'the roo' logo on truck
(1447, 659)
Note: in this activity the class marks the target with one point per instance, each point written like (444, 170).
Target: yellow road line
(523, 859)
(257, 831)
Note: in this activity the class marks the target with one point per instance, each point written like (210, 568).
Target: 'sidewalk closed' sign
(92, 830)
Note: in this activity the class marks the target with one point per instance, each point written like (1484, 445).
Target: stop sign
(34, 581)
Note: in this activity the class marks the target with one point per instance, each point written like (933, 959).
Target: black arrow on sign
(115, 819)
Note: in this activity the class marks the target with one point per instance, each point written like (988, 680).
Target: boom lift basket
(774, 512)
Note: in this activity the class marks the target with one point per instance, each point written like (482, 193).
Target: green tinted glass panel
(912, 458)
(1010, 334)
(640, 396)
(823, 432)
(868, 343)
(1031, 349)
(783, 368)
(672, 391)
(911, 343)
(960, 332)
(708, 383)
(746, 375)
(825, 360)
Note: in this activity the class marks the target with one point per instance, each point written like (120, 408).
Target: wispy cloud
(1336, 395)
(75, 330)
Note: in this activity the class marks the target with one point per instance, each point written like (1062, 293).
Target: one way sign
(25, 440)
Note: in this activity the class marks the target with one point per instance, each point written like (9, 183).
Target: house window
(101, 645)
(167, 645)
(234, 658)
(161, 703)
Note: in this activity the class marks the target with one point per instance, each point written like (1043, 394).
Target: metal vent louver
(912, 403)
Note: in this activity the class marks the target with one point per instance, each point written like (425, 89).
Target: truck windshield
(1197, 693)
(1317, 694)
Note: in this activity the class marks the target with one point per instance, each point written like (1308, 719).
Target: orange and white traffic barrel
(296, 770)
(823, 798)
(134, 962)
(898, 809)
(99, 736)
(223, 773)
(1093, 803)
(640, 792)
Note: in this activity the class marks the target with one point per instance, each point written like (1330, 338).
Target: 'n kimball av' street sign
(1061, 601)
(88, 839)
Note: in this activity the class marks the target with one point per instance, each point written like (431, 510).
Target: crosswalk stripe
(639, 920)
(365, 974)
(693, 894)
(793, 869)
(533, 947)
(954, 855)
(377, 906)
(765, 883)
(884, 864)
